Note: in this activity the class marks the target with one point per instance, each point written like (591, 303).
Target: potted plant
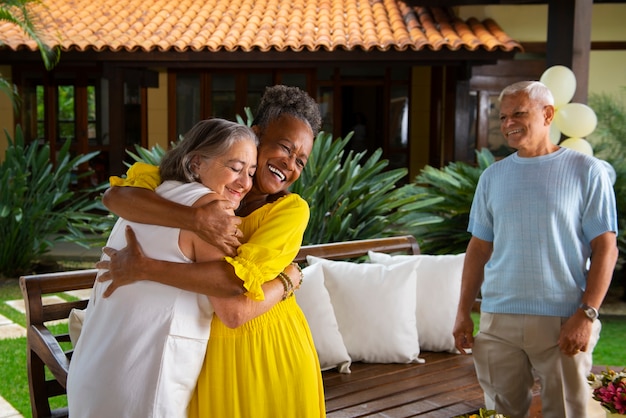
(609, 388)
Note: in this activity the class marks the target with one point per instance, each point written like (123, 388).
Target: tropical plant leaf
(38, 203)
(351, 196)
(609, 143)
(447, 193)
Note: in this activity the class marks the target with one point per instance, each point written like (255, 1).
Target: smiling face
(525, 125)
(285, 146)
(231, 173)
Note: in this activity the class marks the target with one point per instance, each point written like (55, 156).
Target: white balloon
(610, 170)
(555, 134)
(578, 144)
(562, 83)
(576, 120)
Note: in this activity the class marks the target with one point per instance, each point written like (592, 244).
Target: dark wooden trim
(451, 3)
(171, 106)
(144, 117)
(463, 151)
(406, 244)
(117, 146)
(437, 103)
(540, 47)
(449, 116)
(287, 59)
(482, 120)
(569, 36)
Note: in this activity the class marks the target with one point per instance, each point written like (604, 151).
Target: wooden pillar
(569, 40)
(117, 143)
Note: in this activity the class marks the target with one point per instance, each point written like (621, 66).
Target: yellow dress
(267, 368)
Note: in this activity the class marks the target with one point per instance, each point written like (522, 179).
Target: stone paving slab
(80, 294)
(7, 411)
(12, 331)
(18, 304)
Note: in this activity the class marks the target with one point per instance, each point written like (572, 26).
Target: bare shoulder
(194, 247)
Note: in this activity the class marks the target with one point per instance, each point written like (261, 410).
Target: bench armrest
(46, 346)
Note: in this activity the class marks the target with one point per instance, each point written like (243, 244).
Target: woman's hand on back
(124, 266)
(217, 224)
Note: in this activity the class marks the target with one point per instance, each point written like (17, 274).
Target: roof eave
(268, 58)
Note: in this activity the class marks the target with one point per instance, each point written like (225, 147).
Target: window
(65, 108)
(223, 94)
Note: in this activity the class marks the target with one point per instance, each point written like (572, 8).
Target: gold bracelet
(287, 284)
(301, 275)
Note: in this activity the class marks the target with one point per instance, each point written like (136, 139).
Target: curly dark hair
(282, 100)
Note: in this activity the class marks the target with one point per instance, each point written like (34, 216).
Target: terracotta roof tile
(246, 25)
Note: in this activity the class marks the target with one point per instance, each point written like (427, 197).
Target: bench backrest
(45, 352)
(405, 244)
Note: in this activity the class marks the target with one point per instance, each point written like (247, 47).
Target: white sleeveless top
(141, 349)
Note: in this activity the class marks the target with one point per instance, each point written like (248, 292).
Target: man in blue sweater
(542, 253)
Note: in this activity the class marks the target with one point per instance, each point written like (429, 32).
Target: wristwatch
(590, 311)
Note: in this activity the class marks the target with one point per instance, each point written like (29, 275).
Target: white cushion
(375, 309)
(314, 300)
(75, 324)
(438, 293)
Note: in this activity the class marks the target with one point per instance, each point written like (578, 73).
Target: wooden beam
(452, 3)
(269, 59)
(117, 144)
(569, 40)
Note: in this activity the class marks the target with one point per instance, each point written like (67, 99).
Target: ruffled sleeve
(139, 175)
(277, 234)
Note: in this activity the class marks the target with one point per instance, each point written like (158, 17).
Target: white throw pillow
(314, 300)
(438, 293)
(375, 309)
(75, 324)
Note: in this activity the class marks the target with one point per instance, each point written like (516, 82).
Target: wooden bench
(44, 351)
(444, 386)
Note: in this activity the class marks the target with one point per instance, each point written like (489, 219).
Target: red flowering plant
(609, 388)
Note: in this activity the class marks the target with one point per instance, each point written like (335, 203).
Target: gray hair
(536, 91)
(209, 138)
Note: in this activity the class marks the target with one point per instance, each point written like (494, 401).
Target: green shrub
(37, 204)
(350, 200)
(609, 144)
(451, 189)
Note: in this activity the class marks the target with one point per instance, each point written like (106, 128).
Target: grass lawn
(14, 382)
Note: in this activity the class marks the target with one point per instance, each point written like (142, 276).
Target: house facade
(416, 80)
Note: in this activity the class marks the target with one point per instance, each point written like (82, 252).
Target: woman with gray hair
(149, 366)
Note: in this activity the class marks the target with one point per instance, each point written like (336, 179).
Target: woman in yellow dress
(268, 366)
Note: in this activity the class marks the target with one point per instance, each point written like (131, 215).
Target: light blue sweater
(541, 214)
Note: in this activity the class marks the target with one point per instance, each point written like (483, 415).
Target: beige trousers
(511, 350)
